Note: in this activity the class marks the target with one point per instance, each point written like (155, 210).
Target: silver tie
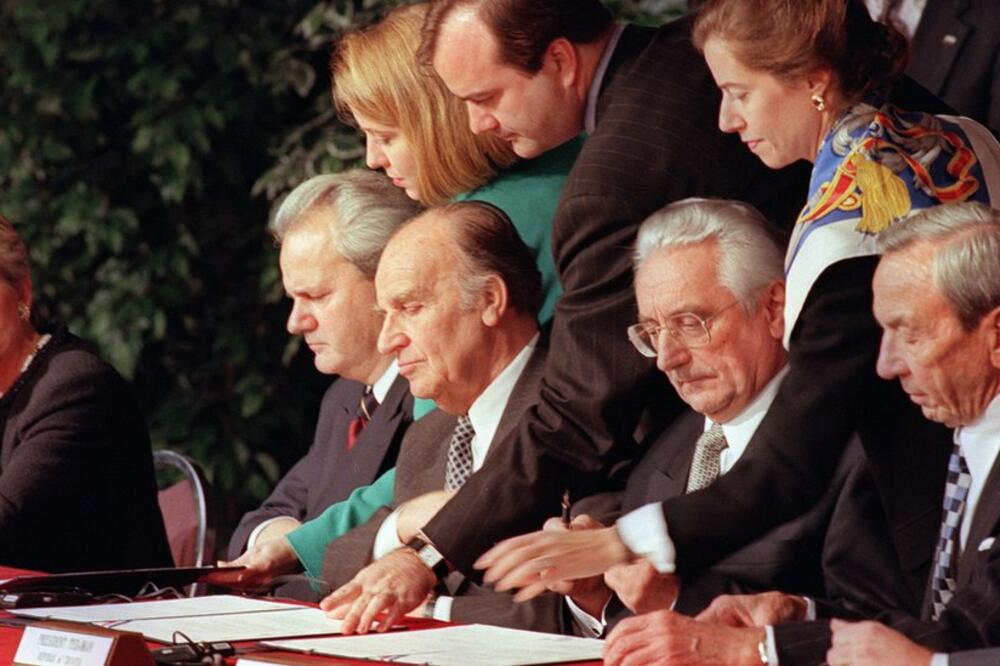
(705, 465)
(459, 454)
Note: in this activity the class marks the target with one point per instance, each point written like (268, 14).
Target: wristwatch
(430, 556)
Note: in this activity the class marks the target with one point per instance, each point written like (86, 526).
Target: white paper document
(467, 645)
(216, 618)
(148, 610)
(293, 621)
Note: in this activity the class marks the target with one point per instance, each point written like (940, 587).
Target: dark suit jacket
(971, 619)
(77, 490)
(421, 469)
(656, 141)
(815, 554)
(975, 658)
(329, 472)
(955, 54)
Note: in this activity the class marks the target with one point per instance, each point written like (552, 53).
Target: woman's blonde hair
(375, 72)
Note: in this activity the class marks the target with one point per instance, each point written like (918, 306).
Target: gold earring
(818, 102)
(23, 310)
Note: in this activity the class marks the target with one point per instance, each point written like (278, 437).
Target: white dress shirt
(907, 14)
(590, 111)
(485, 414)
(380, 389)
(646, 525)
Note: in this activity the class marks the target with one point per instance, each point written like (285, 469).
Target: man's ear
(774, 308)
(561, 56)
(494, 299)
(991, 327)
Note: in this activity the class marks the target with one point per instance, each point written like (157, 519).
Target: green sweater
(529, 193)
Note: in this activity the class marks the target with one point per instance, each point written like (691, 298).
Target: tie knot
(368, 403)
(714, 439)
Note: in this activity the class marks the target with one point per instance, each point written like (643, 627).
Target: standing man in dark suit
(954, 51)
(937, 299)
(538, 73)
(710, 291)
(461, 295)
(332, 230)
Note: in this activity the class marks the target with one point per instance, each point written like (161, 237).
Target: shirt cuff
(939, 660)
(810, 609)
(252, 539)
(772, 646)
(589, 625)
(386, 539)
(442, 609)
(644, 532)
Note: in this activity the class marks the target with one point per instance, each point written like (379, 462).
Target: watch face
(429, 555)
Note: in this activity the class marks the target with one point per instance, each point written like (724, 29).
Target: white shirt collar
(980, 443)
(488, 408)
(739, 430)
(382, 385)
(590, 113)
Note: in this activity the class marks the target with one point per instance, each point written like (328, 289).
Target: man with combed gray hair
(937, 299)
(709, 285)
(332, 229)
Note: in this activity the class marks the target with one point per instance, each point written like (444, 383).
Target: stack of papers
(216, 618)
(468, 645)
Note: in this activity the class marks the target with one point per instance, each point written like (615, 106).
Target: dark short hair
(488, 243)
(523, 28)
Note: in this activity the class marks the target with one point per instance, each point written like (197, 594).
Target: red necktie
(366, 407)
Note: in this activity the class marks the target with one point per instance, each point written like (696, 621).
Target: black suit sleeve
(831, 389)
(289, 498)
(656, 142)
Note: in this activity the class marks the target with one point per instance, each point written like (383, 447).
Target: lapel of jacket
(940, 34)
(672, 469)
(381, 432)
(985, 523)
(523, 396)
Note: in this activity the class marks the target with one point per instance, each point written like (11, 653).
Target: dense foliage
(142, 145)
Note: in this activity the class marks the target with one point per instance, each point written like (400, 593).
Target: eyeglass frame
(652, 329)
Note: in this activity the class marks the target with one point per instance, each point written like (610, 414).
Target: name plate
(68, 644)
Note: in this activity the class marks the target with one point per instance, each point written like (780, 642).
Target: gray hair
(750, 257)
(14, 269)
(966, 266)
(365, 208)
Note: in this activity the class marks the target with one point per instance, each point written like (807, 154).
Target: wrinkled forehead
(415, 265)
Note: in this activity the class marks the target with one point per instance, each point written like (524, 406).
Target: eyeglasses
(686, 328)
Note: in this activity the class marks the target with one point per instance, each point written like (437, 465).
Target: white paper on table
(292, 621)
(467, 645)
(105, 614)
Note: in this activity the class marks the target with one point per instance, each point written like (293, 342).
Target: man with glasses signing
(710, 292)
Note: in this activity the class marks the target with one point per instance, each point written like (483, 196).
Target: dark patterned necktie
(705, 464)
(459, 454)
(366, 407)
(956, 491)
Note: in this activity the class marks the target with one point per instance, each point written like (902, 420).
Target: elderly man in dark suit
(461, 293)
(937, 299)
(710, 290)
(332, 230)
(648, 104)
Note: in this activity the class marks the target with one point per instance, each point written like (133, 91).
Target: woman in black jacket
(77, 490)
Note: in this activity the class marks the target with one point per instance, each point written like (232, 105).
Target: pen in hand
(566, 506)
